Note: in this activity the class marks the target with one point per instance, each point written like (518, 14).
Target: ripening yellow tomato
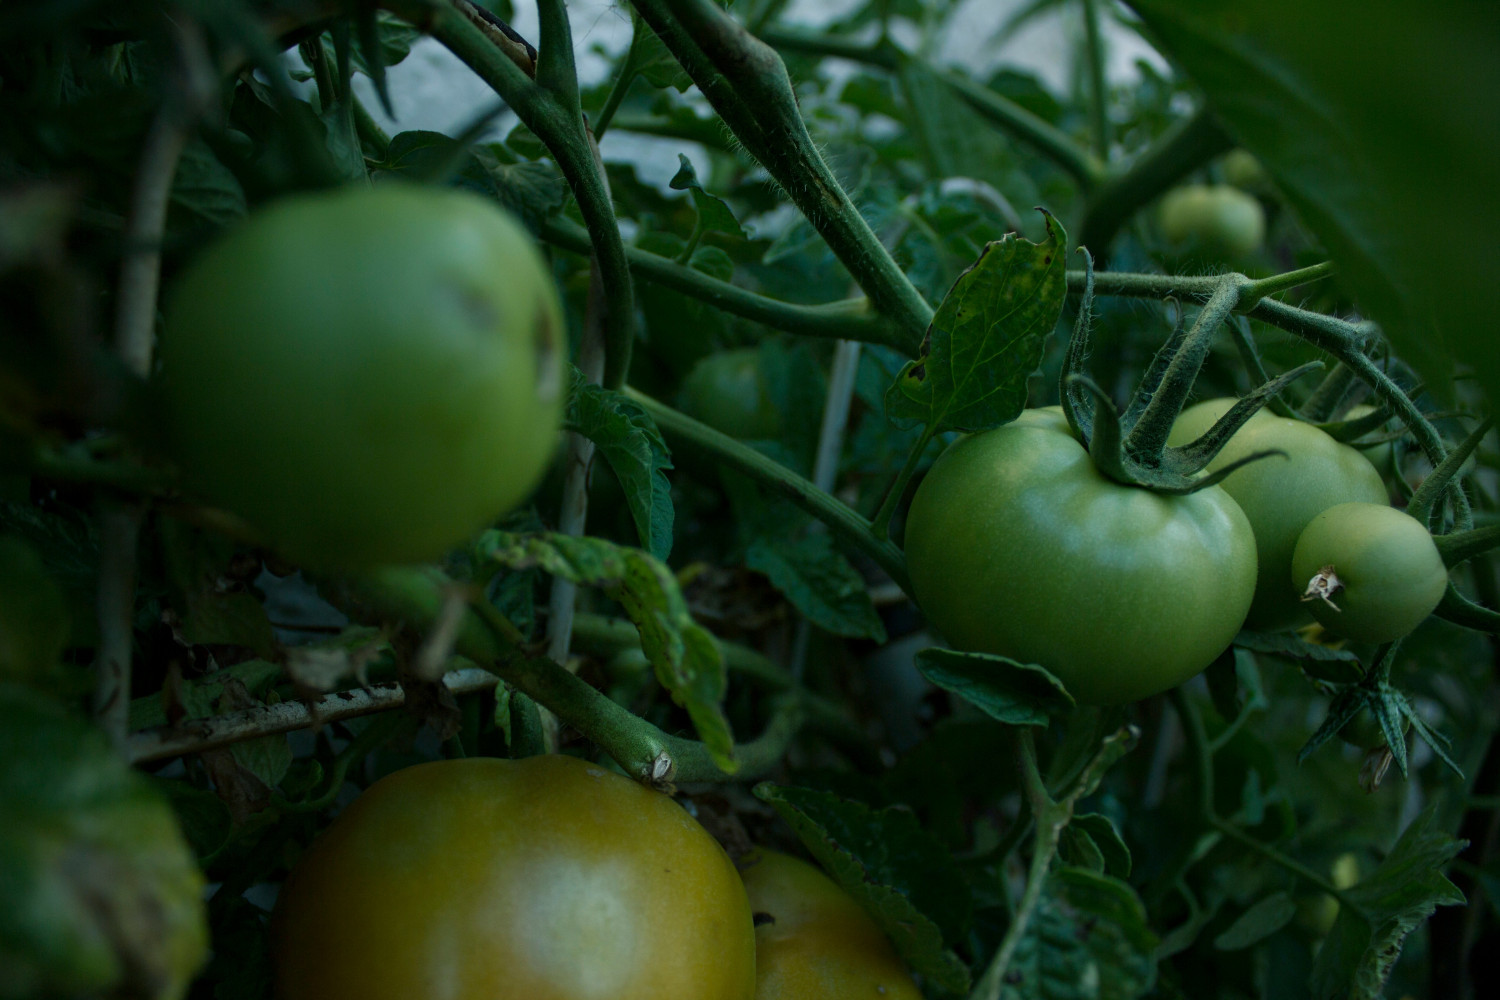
(547, 878)
(813, 941)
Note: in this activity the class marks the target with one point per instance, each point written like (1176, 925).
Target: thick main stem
(746, 82)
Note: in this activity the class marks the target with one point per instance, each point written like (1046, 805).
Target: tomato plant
(1280, 495)
(548, 878)
(812, 939)
(368, 376)
(359, 484)
(1378, 574)
(1019, 547)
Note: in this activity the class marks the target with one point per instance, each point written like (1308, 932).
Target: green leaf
(532, 190)
(1337, 666)
(199, 698)
(986, 339)
(205, 187)
(211, 607)
(1087, 939)
(630, 442)
(685, 656)
(1258, 923)
(1018, 694)
(714, 216)
(1101, 830)
(1383, 134)
(818, 581)
(884, 859)
(1357, 956)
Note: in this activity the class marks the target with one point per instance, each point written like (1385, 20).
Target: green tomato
(812, 940)
(1280, 495)
(1019, 547)
(1378, 567)
(366, 375)
(546, 878)
(1218, 219)
(102, 896)
(726, 392)
(1244, 171)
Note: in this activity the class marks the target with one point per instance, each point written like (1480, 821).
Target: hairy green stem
(881, 525)
(1461, 546)
(1050, 821)
(746, 82)
(560, 126)
(1000, 111)
(1098, 84)
(1330, 392)
(1184, 148)
(1254, 290)
(852, 319)
(846, 525)
(1200, 758)
(555, 68)
(621, 86)
(1149, 436)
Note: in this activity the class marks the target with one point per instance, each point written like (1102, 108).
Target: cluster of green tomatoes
(1020, 547)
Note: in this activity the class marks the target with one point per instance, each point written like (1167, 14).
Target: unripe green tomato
(1279, 495)
(1019, 547)
(545, 878)
(1219, 219)
(813, 941)
(366, 375)
(726, 392)
(101, 894)
(1389, 573)
(1243, 170)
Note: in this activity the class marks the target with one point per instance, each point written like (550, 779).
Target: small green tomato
(1368, 571)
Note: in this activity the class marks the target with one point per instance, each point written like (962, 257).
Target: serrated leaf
(1087, 939)
(1357, 956)
(1344, 707)
(714, 215)
(1337, 666)
(685, 656)
(1018, 694)
(884, 859)
(630, 442)
(818, 581)
(986, 338)
(1258, 923)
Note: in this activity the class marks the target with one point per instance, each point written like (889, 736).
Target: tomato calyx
(1131, 447)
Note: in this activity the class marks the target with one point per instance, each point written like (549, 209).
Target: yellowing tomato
(813, 941)
(547, 878)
